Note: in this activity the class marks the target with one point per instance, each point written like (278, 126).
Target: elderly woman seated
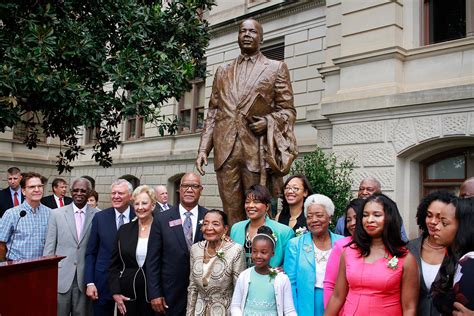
(307, 255)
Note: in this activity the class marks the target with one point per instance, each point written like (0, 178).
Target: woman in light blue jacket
(307, 255)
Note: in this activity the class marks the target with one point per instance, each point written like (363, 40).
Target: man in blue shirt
(23, 237)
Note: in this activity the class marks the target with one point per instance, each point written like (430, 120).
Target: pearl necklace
(217, 250)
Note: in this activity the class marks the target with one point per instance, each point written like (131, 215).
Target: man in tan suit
(249, 123)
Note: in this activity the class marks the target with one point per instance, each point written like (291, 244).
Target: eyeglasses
(32, 187)
(79, 191)
(293, 189)
(185, 187)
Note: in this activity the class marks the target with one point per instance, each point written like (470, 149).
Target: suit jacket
(6, 201)
(425, 300)
(167, 267)
(211, 294)
(61, 240)
(159, 209)
(301, 270)
(269, 81)
(99, 250)
(50, 202)
(123, 263)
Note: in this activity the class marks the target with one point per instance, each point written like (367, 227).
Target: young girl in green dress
(261, 290)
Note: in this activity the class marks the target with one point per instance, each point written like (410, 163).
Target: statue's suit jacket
(61, 240)
(269, 80)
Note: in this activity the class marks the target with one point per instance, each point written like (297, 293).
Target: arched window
(92, 181)
(447, 170)
(132, 179)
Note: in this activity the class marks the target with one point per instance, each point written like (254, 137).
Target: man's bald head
(161, 193)
(467, 188)
(369, 186)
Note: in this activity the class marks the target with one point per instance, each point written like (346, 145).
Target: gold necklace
(430, 245)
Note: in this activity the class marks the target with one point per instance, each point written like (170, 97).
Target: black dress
(284, 219)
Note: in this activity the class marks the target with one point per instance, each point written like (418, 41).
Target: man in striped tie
(172, 234)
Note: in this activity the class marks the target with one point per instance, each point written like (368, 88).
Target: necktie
(188, 229)
(61, 203)
(78, 216)
(165, 207)
(15, 199)
(120, 221)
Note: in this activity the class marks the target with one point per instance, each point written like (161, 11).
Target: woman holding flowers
(307, 256)
(377, 275)
(215, 267)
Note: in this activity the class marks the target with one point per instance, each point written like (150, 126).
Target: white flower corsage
(300, 231)
(220, 254)
(272, 273)
(392, 263)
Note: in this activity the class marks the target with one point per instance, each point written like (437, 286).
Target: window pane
(450, 168)
(188, 100)
(186, 120)
(200, 118)
(447, 20)
(132, 128)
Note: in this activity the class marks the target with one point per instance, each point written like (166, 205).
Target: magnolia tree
(73, 63)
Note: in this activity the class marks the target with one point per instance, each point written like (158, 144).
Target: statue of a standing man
(249, 123)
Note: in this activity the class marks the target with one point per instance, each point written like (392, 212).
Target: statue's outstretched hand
(200, 160)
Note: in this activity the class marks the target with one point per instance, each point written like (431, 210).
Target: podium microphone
(22, 214)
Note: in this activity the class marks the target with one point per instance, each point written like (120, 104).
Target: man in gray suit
(68, 234)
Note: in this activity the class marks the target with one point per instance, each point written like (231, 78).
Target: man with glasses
(105, 225)
(172, 234)
(23, 228)
(69, 229)
(11, 196)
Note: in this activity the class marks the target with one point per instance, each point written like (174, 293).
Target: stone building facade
(372, 82)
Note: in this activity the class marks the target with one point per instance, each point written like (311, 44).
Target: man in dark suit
(161, 193)
(59, 198)
(249, 123)
(11, 196)
(171, 236)
(104, 229)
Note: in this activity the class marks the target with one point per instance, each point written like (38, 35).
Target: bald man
(467, 188)
(161, 193)
(367, 187)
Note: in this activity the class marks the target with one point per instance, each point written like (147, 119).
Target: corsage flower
(272, 273)
(274, 237)
(392, 263)
(300, 231)
(220, 254)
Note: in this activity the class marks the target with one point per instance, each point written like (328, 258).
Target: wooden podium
(29, 287)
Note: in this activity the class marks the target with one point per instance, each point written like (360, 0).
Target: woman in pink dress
(377, 275)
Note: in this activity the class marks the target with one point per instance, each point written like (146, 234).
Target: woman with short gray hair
(307, 255)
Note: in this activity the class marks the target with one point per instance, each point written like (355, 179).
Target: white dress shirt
(194, 217)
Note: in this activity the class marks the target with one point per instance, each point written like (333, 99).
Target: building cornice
(283, 9)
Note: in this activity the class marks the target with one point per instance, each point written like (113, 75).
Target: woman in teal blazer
(257, 204)
(306, 256)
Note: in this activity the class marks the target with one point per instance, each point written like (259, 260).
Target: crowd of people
(143, 256)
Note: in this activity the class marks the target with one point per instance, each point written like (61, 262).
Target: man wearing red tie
(59, 198)
(11, 196)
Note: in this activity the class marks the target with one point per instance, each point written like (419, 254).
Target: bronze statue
(249, 123)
